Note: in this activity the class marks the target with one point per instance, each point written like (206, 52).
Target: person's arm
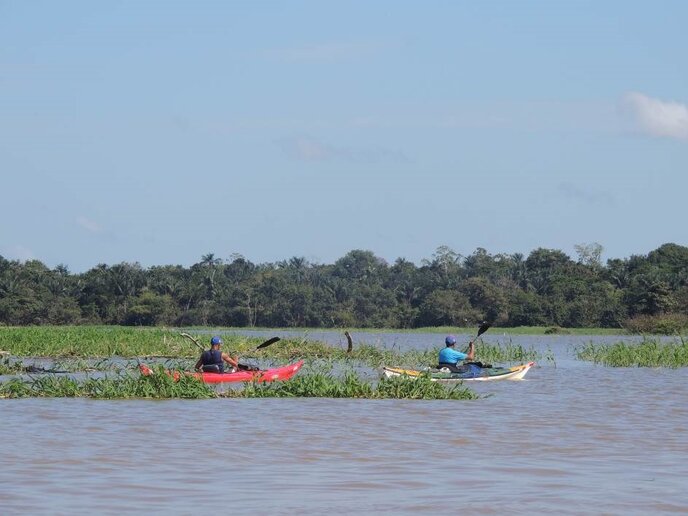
(471, 351)
(231, 361)
(199, 364)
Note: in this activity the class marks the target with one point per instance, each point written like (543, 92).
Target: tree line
(546, 288)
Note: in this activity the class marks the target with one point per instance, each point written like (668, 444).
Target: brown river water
(569, 439)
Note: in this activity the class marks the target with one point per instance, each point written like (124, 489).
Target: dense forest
(546, 288)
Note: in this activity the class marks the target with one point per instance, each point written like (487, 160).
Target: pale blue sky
(158, 131)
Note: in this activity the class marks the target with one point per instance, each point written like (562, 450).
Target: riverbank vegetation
(650, 352)
(546, 288)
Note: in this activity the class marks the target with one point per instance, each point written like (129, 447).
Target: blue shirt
(451, 356)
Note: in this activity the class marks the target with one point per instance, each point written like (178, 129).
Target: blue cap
(450, 340)
(215, 340)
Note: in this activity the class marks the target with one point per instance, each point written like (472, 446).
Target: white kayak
(475, 374)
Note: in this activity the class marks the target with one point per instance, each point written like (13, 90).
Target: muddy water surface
(570, 439)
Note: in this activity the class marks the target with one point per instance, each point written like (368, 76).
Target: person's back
(449, 357)
(211, 360)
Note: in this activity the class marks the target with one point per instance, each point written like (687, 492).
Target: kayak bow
(268, 375)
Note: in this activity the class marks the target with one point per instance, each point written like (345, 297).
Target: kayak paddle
(250, 367)
(482, 329)
(268, 342)
(261, 346)
(193, 339)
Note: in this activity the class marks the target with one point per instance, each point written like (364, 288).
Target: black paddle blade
(268, 342)
(483, 328)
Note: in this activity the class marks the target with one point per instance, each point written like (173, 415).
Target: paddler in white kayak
(213, 360)
(450, 358)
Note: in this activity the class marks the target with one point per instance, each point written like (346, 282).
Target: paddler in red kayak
(213, 360)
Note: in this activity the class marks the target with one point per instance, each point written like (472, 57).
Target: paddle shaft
(262, 345)
(482, 329)
(194, 340)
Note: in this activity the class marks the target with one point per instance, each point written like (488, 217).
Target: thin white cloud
(658, 117)
(89, 225)
(17, 252)
(309, 149)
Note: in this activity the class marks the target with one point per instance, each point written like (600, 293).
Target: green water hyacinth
(158, 386)
(323, 385)
(162, 386)
(92, 341)
(650, 352)
(72, 343)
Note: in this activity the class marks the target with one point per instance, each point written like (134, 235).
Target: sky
(160, 131)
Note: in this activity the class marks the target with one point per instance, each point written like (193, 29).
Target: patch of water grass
(650, 352)
(374, 356)
(161, 386)
(91, 341)
(157, 386)
(107, 341)
(507, 352)
(325, 385)
(73, 345)
(487, 353)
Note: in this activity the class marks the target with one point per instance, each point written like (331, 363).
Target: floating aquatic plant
(650, 352)
(324, 385)
(160, 385)
(153, 386)
(74, 344)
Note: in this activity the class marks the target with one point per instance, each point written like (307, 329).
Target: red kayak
(266, 375)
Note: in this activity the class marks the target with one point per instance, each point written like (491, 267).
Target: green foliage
(422, 388)
(546, 288)
(666, 324)
(447, 307)
(648, 353)
(75, 344)
(151, 309)
(91, 341)
(500, 353)
(155, 386)
(161, 386)
(324, 385)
